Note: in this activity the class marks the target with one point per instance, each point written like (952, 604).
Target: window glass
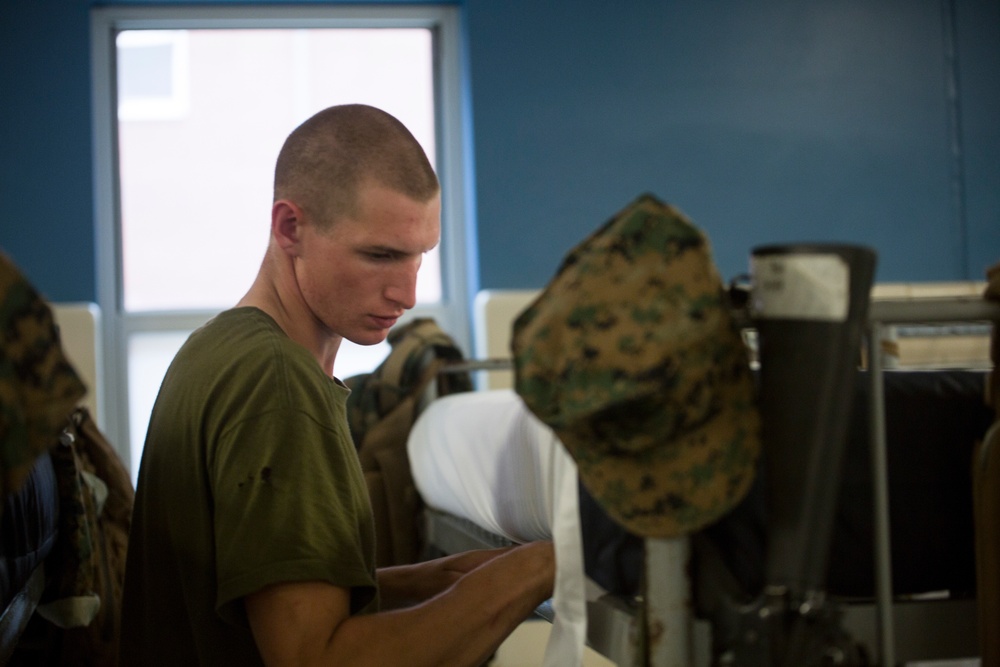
(202, 115)
(196, 186)
(153, 72)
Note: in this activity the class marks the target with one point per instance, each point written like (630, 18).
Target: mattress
(933, 420)
(482, 456)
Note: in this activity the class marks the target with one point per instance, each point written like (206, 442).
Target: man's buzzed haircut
(326, 160)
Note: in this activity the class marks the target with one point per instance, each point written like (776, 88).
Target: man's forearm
(463, 625)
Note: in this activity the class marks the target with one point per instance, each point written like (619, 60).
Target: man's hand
(404, 585)
(483, 596)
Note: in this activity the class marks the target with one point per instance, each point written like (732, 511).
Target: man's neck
(286, 307)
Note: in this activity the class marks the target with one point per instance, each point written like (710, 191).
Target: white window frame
(453, 310)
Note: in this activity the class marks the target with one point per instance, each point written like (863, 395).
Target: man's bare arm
(405, 585)
(308, 623)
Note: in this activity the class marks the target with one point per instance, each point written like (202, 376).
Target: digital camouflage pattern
(632, 356)
(85, 572)
(38, 387)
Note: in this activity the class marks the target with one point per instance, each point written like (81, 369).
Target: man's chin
(369, 338)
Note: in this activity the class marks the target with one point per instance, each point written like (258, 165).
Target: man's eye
(380, 256)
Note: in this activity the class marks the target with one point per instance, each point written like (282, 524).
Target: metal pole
(668, 602)
(880, 488)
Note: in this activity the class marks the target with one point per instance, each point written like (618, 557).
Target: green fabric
(249, 477)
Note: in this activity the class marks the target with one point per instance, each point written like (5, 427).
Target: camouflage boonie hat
(632, 356)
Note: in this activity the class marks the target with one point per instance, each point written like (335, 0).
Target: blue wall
(765, 121)
(46, 189)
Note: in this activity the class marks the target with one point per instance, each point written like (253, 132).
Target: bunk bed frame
(883, 315)
(660, 629)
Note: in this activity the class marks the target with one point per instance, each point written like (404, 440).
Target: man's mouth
(385, 321)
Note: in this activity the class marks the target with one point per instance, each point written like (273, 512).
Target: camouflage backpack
(380, 412)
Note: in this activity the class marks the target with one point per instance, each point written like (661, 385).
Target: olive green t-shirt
(249, 477)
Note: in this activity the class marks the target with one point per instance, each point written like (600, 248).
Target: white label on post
(800, 287)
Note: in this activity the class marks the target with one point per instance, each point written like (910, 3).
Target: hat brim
(685, 483)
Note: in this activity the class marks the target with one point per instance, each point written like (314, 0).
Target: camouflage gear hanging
(632, 356)
(38, 386)
(380, 412)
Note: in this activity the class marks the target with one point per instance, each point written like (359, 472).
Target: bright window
(196, 187)
(203, 104)
(153, 75)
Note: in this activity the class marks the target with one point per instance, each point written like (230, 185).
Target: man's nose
(402, 289)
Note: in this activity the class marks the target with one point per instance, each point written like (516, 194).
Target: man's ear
(286, 225)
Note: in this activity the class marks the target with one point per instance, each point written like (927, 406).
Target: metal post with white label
(809, 304)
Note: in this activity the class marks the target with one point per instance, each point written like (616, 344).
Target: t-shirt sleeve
(289, 505)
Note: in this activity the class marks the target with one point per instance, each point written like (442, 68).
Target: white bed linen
(484, 457)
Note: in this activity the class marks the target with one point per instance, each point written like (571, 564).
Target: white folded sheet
(485, 457)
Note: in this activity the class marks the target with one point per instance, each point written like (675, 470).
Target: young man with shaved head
(252, 538)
